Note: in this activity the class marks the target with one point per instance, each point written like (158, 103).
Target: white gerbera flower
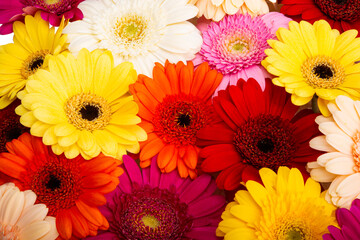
(20, 218)
(140, 31)
(217, 9)
(341, 140)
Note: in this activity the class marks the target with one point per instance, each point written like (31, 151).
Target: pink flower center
(8, 232)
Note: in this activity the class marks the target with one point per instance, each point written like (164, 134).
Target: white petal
(340, 166)
(324, 158)
(357, 107)
(11, 206)
(322, 119)
(35, 230)
(345, 202)
(350, 186)
(53, 233)
(321, 175)
(312, 165)
(320, 143)
(181, 13)
(340, 142)
(230, 8)
(346, 105)
(217, 2)
(32, 214)
(332, 107)
(329, 128)
(345, 122)
(30, 198)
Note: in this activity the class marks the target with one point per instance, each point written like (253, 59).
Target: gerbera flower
(150, 205)
(33, 41)
(10, 126)
(82, 106)
(258, 129)
(341, 140)
(22, 219)
(174, 105)
(72, 189)
(342, 15)
(348, 222)
(235, 46)
(314, 59)
(139, 31)
(51, 11)
(284, 208)
(217, 9)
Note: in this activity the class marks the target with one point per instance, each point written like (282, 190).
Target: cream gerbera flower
(315, 59)
(20, 218)
(139, 31)
(33, 41)
(217, 9)
(341, 140)
(82, 106)
(284, 208)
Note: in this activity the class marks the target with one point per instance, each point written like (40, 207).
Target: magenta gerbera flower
(349, 224)
(51, 11)
(235, 46)
(155, 205)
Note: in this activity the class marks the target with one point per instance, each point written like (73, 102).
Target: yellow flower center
(130, 28)
(87, 111)
(50, 2)
(356, 151)
(292, 229)
(33, 63)
(323, 72)
(238, 46)
(8, 232)
(150, 221)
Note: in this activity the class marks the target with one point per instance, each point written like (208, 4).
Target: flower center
(265, 141)
(323, 72)
(33, 63)
(55, 6)
(340, 10)
(239, 46)
(179, 117)
(8, 232)
(87, 111)
(57, 183)
(10, 129)
(292, 229)
(130, 28)
(356, 151)
(150, 221)
(149, 213)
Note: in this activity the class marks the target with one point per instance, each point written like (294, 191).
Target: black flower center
(90, 112)
(340, 2)
(340, 10)
(12, 134)
(53, 183)
(323, 71)
(36, 64)
(266, 145)
(184, 120)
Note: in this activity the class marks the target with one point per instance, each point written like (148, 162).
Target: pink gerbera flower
(235, 45)
(155, 205)
(51, 11)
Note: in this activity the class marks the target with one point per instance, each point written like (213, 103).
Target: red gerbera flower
(51, 11)
(341, 14)
(258, 129)
(72, 189)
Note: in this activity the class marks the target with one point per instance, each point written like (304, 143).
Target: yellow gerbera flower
(284, 209)
(315, 59)
(33, 41)
(82, 106)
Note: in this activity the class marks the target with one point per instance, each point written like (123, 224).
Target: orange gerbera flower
(71, 189)
(173, 106)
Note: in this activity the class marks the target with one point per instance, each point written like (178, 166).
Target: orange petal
(165, 155)
(79, 223)
(171, 74)
(191, 157)
(96, 180)
(151, 148)
(183, 172)
(161, 80)
(63, 224)
(93, 198)
(173, 162)
(92, 214)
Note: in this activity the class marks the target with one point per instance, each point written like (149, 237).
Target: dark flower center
(265, 141)
(55, 6)
(13, 133)
(266, 145)
(149, 213)
(36, 64)
(295, 234)
(340, 10)
(90, 112)
(323, 71)
(53, 183)
(184, 120)
(57, 184)
(179, 117)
